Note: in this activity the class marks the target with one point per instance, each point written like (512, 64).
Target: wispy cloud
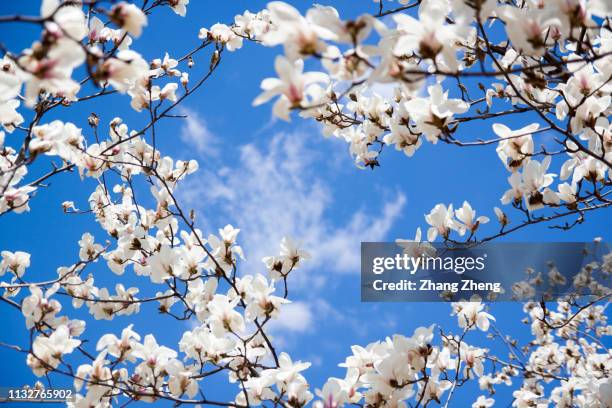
(296, 317)
(283, 188)
(287, 186)
(196, 135)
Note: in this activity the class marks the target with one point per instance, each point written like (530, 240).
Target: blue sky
(271, 179)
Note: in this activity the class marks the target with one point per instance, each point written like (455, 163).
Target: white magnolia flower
(328, 25)
(52, 71)
(416, 248)
(89, 249)
(223, 34)
(123, 347)
(9, 117)
(69, 17)
(471, 314)
(502, 218)
(442, 222)
(515, 193)
(402, 135)
(181, 379)
(467, 216)
(47, 352)
(202, 345)
(433, 114)
(153, 355)
(535, 179)
(297, 34)
(166, 264)
(288, 371)
(10, 80)
(483, 402)
(516, 146)
(290, 85)
(292, 250)
(39, 307)
(223, 317)
(530, 29)
(123, 71)
(262, 303)
(179, 6)
(429, 35)
(14, 262)
(129, 17)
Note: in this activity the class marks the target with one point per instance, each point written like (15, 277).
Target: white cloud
(294, 317)
(196, 134)
(283, 188)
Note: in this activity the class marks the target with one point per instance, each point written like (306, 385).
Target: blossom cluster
(555, 64)
(388, 80)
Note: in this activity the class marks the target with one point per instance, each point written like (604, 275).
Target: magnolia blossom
(223, 317)
(428, 35)
(14, 262)
(121, 348)
(515, 147)
(531, 30)
(535, 179)
(483, 402)
(179, 6)
(47, 351)
(432, 115)
(502, 218)
(442, 222)
(416, 248)
(471, 314)
(222, 34)
(181, 381)
(290, 85)
(129, 17)
(467, 216)
(296, 33)
(9, 117)
(125, 70)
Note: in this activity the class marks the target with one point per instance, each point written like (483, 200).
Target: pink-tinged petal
(482, 322)
(432, 234)
(284, 68)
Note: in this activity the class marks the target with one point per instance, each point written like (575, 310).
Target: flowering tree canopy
(399, 76)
